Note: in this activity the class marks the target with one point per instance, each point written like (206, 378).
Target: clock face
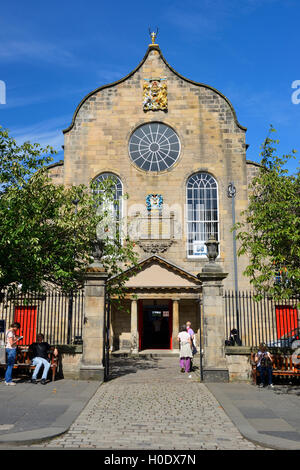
(154, 147)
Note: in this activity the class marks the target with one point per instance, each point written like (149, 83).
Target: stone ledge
(69, 348)
(239, 350)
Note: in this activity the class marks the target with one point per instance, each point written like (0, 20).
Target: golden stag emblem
(153, 35)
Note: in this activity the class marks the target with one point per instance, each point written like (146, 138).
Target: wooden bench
(23, 361)
(282, 366)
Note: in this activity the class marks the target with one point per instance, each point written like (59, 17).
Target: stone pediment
(156, 272)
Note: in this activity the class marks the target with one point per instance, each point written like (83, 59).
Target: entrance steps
(147, 353)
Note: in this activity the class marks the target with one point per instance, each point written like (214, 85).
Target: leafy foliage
(47, 230)
(270, 231)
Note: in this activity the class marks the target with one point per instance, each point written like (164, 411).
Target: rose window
(154, 147)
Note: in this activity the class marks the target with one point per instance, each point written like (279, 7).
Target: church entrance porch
(150, 325)
(160, 297)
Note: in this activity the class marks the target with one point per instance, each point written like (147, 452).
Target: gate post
(214, 364)
(94, 322)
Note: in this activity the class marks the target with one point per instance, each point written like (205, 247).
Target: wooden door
(286, 319)
(26, 316)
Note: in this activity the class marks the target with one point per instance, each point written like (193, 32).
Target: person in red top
(11, 350)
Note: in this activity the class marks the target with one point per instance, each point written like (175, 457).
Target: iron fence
(59, 316)
(276, 323)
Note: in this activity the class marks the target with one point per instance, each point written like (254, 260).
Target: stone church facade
(173, 146)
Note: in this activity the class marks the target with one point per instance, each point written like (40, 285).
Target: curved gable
(210, 89)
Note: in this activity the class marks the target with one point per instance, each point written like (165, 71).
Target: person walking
(264, 363)
(185, 353)
(39, 352)
(11, 351)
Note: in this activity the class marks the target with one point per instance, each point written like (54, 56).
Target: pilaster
(93, 329)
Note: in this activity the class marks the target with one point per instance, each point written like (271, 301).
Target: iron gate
(106, 334)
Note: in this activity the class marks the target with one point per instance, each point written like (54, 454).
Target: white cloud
(48, 132)
(15, 101)
(29, 50)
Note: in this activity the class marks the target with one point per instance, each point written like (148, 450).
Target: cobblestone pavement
(149, 404)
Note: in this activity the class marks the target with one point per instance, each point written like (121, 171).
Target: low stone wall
(237, 359)
(70, 361)
(238, 363)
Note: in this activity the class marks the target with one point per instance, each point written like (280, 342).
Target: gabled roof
(150, 48)
(157, 272)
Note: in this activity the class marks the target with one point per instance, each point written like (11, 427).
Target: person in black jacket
(39, 352)
(234, 338)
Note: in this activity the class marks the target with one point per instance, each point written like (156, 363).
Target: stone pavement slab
(150, 405)
(269, 417)
(33, 412)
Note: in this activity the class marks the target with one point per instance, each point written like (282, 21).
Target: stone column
(93, 330)
(214, 360)
(134, 328)
(175, 331)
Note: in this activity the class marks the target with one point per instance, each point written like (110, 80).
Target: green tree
(270, 229)
(47, 230)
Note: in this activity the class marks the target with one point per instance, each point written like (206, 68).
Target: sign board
(199, 248)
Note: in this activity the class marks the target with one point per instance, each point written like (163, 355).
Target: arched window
(202, 213)
(114, 207)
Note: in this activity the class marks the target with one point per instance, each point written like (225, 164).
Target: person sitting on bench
(39, 352)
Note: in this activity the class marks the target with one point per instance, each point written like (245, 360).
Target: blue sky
(53, 53)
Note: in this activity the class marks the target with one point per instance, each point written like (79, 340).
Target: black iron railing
(59, 316)
(276, 323)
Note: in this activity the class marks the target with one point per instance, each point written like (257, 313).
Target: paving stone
(160, 409)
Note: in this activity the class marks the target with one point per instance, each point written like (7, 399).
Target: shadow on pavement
(131, 365)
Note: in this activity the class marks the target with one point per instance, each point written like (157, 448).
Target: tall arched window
(114, 207)
(202, 213)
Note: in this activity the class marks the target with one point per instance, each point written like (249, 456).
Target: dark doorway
(156, 327)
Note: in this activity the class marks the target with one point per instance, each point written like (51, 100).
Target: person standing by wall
(264, 363)
(11, 350)
(192, 335)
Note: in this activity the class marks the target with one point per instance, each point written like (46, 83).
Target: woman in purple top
(189, 329)
(192, 335)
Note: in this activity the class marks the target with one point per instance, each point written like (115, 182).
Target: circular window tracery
(154, 147)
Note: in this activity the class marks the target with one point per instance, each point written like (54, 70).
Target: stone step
(149, 353)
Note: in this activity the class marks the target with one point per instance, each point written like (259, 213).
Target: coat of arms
(154, 202)
(155, 94)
